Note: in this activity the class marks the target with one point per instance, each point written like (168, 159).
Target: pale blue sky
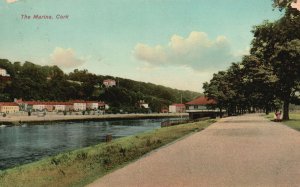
(132, 38)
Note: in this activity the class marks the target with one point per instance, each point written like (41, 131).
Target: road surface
(236, 151)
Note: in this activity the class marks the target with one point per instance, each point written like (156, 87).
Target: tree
(282, 4)
(225, 87)
(286, 62)
(259, 83)
(218, 89)
(276, 44)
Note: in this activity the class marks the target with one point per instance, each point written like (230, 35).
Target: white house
(38, 107)
(202, 107)
(3, 73)
(199, 103)
(92, 105)
(109, 83)
(59, 107)
(79, 105)
(177, 108)
(143, 104)
(103, 105)
(9, 107)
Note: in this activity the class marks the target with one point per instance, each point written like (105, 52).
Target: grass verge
(81, 167)
(294, 121)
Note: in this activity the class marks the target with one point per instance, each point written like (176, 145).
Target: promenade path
(236, 151)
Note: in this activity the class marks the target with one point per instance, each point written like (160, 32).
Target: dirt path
(237, 151)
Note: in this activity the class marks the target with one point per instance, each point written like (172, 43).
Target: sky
(175, 43)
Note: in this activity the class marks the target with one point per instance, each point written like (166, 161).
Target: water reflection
(28, 143)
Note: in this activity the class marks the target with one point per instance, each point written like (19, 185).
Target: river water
(28, 143)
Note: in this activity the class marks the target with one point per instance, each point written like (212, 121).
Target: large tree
(218, 89)
(259, 82)
(286, 62)
(277, 45)
(226, 88)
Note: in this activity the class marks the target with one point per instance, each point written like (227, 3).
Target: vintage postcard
(149, 93)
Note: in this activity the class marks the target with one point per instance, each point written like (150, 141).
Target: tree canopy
(270, 74)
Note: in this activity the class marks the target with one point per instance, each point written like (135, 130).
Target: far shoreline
(19, 119)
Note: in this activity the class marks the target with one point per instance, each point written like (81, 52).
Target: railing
(200, 110)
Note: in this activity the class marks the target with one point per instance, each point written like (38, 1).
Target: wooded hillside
(48, 83)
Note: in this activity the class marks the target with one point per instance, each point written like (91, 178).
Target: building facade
(177, 108)
(103, 106)
(79, 105)
(54, 106)
(143, 104)
(4, 73)
(59, 106)
(92, 105)
(39, 107)
(201, 107)
(109, 83)
(9, 107)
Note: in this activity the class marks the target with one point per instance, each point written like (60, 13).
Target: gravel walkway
(237, 151)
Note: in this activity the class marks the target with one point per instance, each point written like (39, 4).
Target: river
(28, 143)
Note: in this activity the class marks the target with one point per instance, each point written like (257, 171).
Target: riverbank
(81, 167)
(18, 119)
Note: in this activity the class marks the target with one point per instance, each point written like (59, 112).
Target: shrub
(81, 156)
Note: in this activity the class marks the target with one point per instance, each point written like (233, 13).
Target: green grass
(294, 121)
(81, 167)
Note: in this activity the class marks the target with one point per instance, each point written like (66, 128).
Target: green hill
(47, 83)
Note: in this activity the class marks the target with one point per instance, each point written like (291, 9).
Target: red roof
(201, 101)
(78, 101)
(47, 103)
(8, 104)
(58, 103)
(92, 101)
(109, 80)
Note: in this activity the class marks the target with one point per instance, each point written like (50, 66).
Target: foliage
(48, 83)
(270, 75)
(282, 4)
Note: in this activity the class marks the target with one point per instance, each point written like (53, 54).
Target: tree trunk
(221, 113)
(267, 109)
(286, 104)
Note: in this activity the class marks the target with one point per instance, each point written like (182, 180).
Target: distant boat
(2, 126)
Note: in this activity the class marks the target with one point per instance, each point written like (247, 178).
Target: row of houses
(75, 105)
(199, 104)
